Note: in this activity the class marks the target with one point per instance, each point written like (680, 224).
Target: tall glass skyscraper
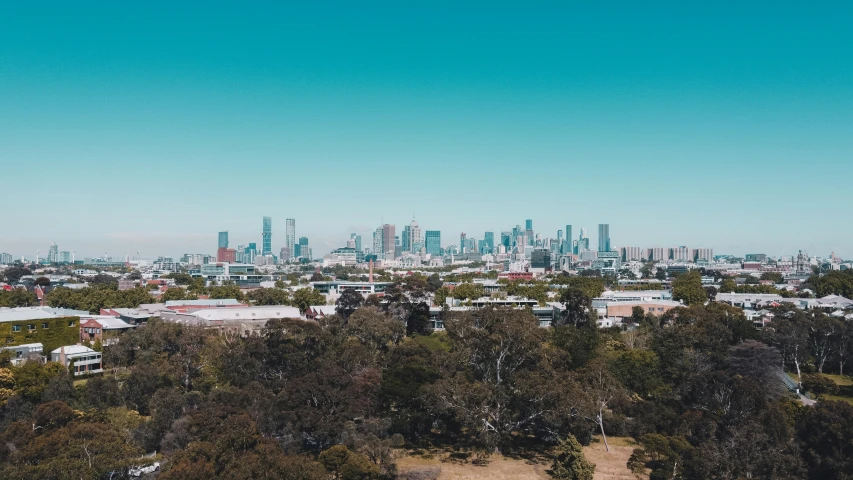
(567, 243)
(267, 237)
(603, 237)
(433, 242)
(489, 241)
(528, 224)
(223, 240)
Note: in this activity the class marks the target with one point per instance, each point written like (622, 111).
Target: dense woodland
(698, 388)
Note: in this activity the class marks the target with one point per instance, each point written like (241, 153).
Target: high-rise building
(463, 243)
(703, 254)
(223, 240)
(433, 242)
(603, 237)
(5, 259)
(506, 240)
(630, 254)
(489, 242)
(568, 243)
(267, 237)
(53, 254)
(290, 235)
(412, 240)
(679, 254)
(583, 243)
(378, 248)
(540, 258)
(528, 224)
(357, 240)
(303, 251)
(65, 257)
(389, 241)
(657, 254)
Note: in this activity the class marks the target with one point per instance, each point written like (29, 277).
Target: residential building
(679, 254)
(25, 352)
(266, 237)
(658, 254)
(5, 259)
(378, 248)
(242, 274)
(290, 236)
(53, 254)
(284, 255)
(244, 321)
(632, 254)
(65, 257)
(703, 255)
(85, 360)
(105, 329)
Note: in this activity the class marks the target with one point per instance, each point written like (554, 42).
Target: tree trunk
(799, 375)
(601, 425)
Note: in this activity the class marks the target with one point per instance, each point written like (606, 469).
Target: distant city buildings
(266, 234)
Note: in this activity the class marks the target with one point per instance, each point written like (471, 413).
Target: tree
(269, 296)
(417, 321)
(104, 280)
(774, 277)
(175, 293)
(226, 291)
(306, 297)
(14, 273)
(688, 289)
(603, 389)
(578, 307)
(570, 462)
(42, 282)
(349, 301)
(728, 285)
(434, 282)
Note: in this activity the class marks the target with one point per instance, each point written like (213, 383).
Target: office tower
(528, 232)
(560, 238)
(540, 258)
(603, 237)
(53, 254)
(358, 243)
(290, 235)
(489, 240)
(583, 242)
(65, 257)
(284, 255)
(304, 249)
(463, 242)
(528, 225)
(506, 239)
(378, 248)
(412, 241)
(433, 242)
(568, 244)
(223, 239)
(266, 236)
(389, 241)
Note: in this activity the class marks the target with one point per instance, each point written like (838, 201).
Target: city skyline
(729, 129)
(387, 231)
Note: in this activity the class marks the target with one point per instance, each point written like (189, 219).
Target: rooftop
(37, 313)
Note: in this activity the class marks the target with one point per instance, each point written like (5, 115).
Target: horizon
(152, 127)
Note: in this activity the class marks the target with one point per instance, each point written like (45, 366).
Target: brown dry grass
(609, 466)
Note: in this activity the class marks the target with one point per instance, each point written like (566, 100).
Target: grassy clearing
(608, 465)
(840, 380)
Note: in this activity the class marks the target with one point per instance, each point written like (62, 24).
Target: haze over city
(149, 128)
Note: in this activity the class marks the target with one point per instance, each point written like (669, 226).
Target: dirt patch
(446, 465)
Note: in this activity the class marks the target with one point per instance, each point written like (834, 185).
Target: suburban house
(86, 361)
(315, 312)
(26, 352)
(105, 329)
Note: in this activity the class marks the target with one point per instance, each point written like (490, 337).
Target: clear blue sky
(151, 126)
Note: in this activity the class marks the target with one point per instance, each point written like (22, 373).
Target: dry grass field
(609, 466)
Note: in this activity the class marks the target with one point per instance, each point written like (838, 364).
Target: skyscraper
(412, 241)
(489, 241)
(463, 243)
(267, 237)
(603, 237)
(389, 241)
(506, 240)
(568, 247)
(528, 225)
(223, 240)
(433, 242)
(53, 254)
(290, 235)
(304, 249)
(378, 248)
(357, 240)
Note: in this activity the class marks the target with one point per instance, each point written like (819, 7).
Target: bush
(818, 384)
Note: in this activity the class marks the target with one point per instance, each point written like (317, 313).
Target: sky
(150, 126)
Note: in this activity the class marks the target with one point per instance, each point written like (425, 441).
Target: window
(45, 325)
(70, 323)
(16, 328)
(31, 327)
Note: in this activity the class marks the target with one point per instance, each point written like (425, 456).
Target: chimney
(370, 278)
(62, 355)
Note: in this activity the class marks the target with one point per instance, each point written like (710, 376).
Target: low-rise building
(25, 353)
(85, 360)
(101, 328)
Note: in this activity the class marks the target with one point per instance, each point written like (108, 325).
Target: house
(315, 312)
(25, 352)
(242, 321)
(102, 328)
(86, 361)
